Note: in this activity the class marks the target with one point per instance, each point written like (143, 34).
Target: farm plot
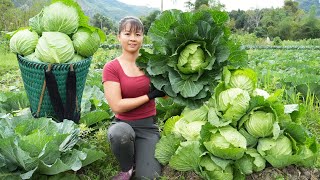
(277, 67)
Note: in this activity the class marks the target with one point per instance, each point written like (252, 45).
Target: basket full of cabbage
(58, 42)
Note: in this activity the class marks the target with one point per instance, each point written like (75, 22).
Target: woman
(133, 134)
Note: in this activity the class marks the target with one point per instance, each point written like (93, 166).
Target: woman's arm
(112, 92)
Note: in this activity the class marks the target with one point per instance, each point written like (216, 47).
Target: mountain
(113, 9)
(306, 5)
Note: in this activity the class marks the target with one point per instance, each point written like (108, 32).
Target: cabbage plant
(61, 18)
(245, 79)
(189, 51)
(225, 142)
(54, 47)
(260, 123)
(216, 168)
(192, 59)
(295, 146)
(24, 42)
(233, 102)
(31, 146)
(250, 162)
(190, 123)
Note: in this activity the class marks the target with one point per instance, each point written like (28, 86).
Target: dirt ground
(287, 173)
(269, 173)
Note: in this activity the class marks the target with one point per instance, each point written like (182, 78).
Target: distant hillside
(306, 5)
(113, 9)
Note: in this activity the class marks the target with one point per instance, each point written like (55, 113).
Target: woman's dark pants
(133, 143)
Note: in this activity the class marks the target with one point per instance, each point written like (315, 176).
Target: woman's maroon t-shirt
(131, 87)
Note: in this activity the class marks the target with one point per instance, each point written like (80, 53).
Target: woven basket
(33, 76)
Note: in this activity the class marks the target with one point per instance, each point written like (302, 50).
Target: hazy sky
(230, 4)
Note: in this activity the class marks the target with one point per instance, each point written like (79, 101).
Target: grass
(10, 78)
(8, 59)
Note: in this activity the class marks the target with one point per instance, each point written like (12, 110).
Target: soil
(269, 173)
(290, 173)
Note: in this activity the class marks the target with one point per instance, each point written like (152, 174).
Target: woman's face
(130, 41)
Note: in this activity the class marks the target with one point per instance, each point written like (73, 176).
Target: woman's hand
(156, 93)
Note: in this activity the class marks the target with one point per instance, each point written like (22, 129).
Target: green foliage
(13, 101)
(147, 20)
(102, 56)
(104, 23)
(180, 77)
(277, 41)
(307, 4)
(42, 146)
(288, 22)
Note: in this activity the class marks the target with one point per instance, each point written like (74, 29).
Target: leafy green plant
(189, 52)
(41, 146)
(13, 101)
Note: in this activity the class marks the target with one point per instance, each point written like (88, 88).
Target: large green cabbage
(60, 17)
(86, 42)
(260, 123)
(233, 103)
(54, 47)
(226, 142)
(190, 51)
(245, 79)
(24, 42)
(192, 59)
(190, 123)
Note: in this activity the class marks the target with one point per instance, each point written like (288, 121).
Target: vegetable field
(276, 69)
(232, 112)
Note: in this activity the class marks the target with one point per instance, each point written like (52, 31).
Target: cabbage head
(61, 18)
(233, 103)
(189, 131)
(86, 42)
(260, 123)
(275, 147)
(24, 42)
(192, 59)
(190, 123)
(54, 47)
(226, 143)
(245, 79)
(76, 58)
(32, 57)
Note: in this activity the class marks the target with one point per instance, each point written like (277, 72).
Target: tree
(254, 19)
(5, 7)
(200, 3)
(240, 18)
(310, 26)
(104, 23)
